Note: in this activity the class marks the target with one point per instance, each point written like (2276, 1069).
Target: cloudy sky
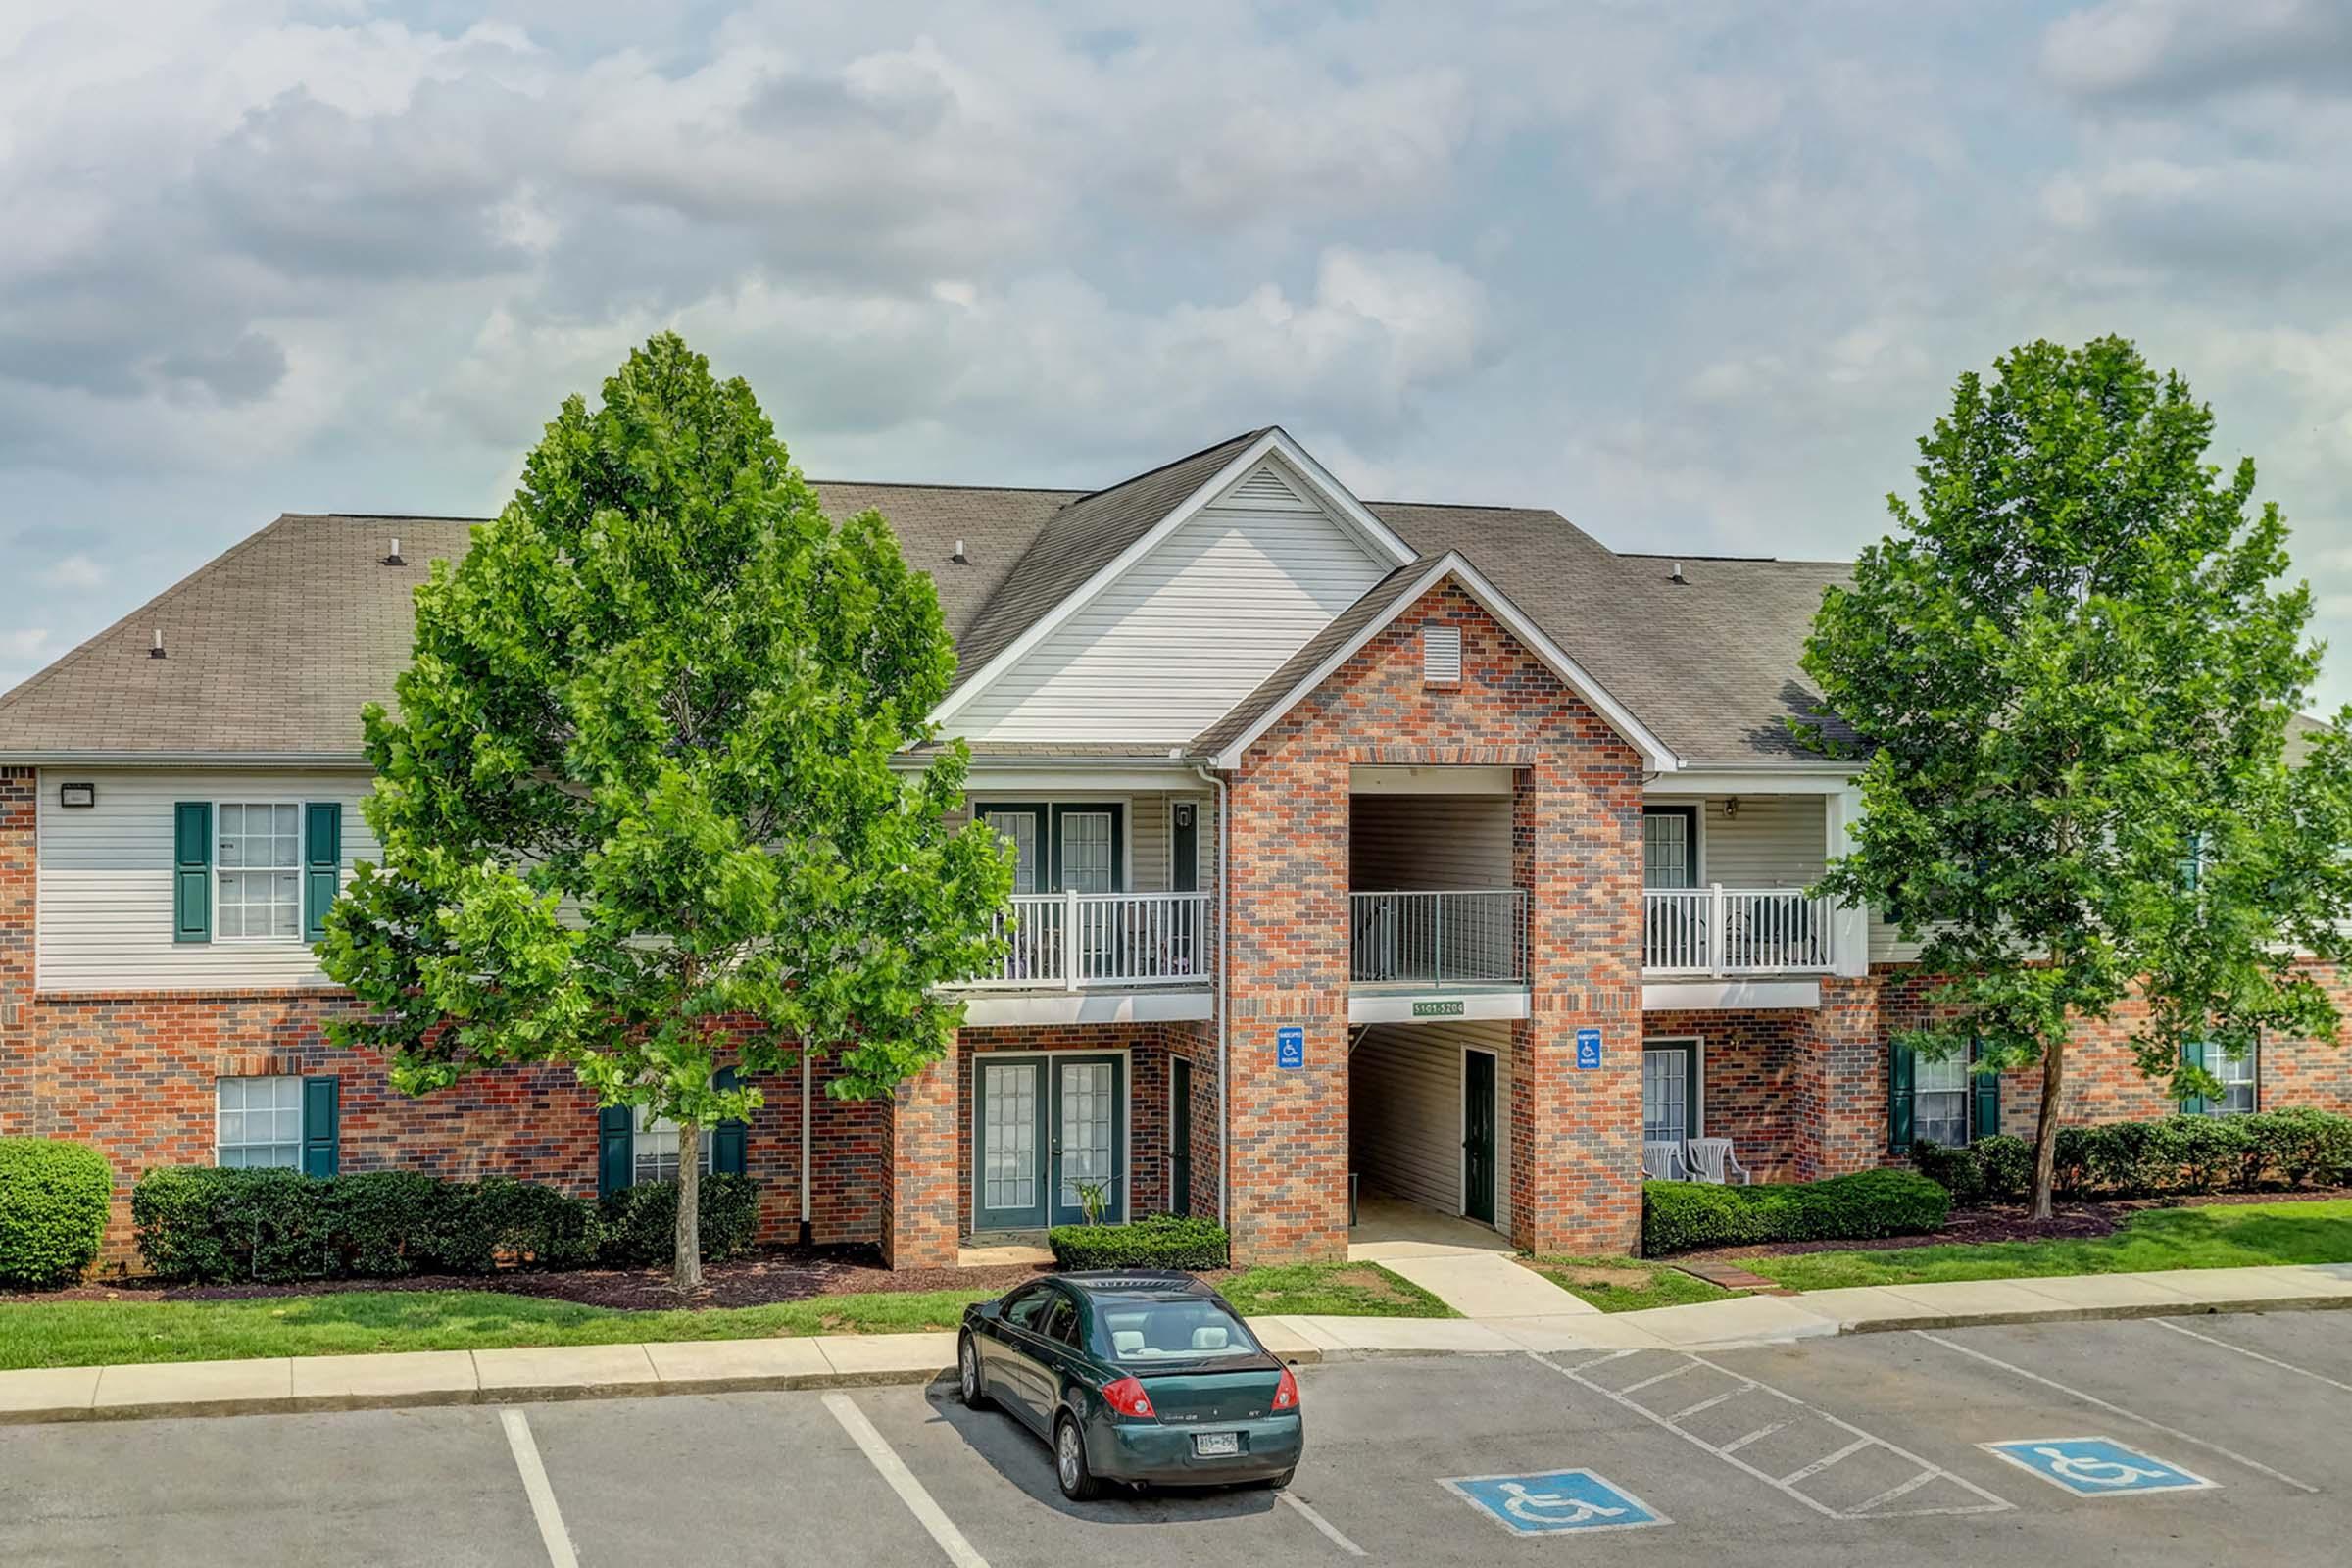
(1695, 275)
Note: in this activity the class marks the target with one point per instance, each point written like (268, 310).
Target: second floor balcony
(1728, 932)
(1082, 940)
(1475, 937)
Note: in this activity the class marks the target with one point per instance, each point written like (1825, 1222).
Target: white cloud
(76, 572)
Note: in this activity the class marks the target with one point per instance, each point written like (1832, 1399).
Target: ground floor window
(2239, 1077)
(1670, 1108)
(1940, 1109)
(260, 1123)
(654, 1148)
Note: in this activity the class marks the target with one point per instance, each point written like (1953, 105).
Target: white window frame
(301, 1130)
(1967, 1089)
(2249, 1069)
(301, 868)
(1694, 1115)
(643, 1121)
(978, 805)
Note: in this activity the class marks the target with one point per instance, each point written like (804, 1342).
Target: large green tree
(642, 805)
(2075, 673)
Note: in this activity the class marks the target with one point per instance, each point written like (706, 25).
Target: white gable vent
(1262, 487)
(1441, 656)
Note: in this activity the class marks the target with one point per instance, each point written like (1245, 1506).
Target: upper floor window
(258, 866)
(1670, 847)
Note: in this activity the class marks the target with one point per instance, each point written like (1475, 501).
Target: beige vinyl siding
(1429, 843)
(104, 904)
(1405, 1111)
(1776, 841)
(1185, 633)
(1886, 944)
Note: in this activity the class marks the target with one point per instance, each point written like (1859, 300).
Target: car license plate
(1211, 1444)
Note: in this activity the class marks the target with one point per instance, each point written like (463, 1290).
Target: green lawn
(351, 1322)
(1334, 1290)
(1625, 1284)
(2219, 1235)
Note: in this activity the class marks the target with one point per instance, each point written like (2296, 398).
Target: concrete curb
(2099, 1315)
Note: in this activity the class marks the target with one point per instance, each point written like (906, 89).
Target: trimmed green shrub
(2169, 1154)
(1682, 1216)
(1158, 1241)
(209, 1226)
(639, 1225)
(53, 1201)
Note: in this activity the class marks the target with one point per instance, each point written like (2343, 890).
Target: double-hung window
(258, 866)
(2240, 1079)
(278, 1121)
(1940, 1107)
(654, 1151)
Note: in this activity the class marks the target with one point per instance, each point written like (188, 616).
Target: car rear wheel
(1277, 1482)
(1078, 1483)
(967, 1374)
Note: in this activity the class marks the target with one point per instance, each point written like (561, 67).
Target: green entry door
(1478, 1136)
(1043, 1128)
(1180, 1135)
(1089, 1136)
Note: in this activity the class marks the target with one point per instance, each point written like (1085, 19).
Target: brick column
(1840, 1081)
(19, 802)
(1576, 1133)
(920, 1169)
(1289, 1125)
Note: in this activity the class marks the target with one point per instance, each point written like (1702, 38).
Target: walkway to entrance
(1467, 1266)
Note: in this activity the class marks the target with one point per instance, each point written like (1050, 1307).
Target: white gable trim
(1321, 486)
(1656, 756)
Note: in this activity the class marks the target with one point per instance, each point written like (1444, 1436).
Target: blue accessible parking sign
(1587, 1048)
(1290, 1047)
(1553, 1501)
(2097, 1467)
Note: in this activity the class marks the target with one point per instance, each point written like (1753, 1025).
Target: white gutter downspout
(1224, 944)
(806, 1233)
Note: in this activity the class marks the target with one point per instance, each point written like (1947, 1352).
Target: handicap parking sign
(2097, 1467)
(1290, 1047)
(1587, 1048)
(1553, 1501)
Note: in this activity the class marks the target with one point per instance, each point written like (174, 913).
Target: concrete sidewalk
(708, 1366)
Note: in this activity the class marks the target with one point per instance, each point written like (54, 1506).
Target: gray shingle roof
(274, 645)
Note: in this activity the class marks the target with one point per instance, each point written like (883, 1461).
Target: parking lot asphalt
(2183, 1440)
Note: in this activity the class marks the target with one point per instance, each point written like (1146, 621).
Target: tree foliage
(2075, 673)
(638, 807)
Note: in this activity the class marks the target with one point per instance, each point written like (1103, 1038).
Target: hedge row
(212, 1226)
(1683, 1216)
(53, 1201)
(1162, 1240)
(2173, 1155)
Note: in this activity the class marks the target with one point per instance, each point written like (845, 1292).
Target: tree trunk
(2045, 1132)
(686, 1272)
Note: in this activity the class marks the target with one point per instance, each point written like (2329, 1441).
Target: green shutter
(321, 864)
(1901, 1074)
(321, 1126)
(192, 871)
(2197, 1053)
(612, 1163)
(729, 1137)
(1984, 1119)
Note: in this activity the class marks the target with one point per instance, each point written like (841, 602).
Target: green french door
(1477, 1137)
(1046, 1129)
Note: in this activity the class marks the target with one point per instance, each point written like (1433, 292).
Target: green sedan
(1137, 1377)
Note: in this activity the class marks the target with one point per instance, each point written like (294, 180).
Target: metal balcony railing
(1077, 940)
(1438, 939)
(1717, 930)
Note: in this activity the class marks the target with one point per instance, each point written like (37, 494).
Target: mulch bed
(779, 1274)
(2077, 1220)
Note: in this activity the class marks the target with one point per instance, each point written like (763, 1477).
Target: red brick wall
(1752, 1067)
(1577, 842)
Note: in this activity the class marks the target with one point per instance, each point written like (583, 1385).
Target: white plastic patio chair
(1711, 1160)
(1662, 1160)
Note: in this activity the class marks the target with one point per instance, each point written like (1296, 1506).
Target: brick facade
(1576, 845)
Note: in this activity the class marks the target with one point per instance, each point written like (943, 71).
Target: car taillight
(1127, 1397)
(1286, 1393)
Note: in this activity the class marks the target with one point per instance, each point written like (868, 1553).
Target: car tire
(968, 1387)
(1277, 1482)
(1070, 1472)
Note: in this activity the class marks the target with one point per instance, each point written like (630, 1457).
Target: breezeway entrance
(1428, 1117)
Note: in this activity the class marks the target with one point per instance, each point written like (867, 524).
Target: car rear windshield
(1143, 1328)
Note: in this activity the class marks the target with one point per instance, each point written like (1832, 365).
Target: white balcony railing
(1077, 940)
(1724, 931)
(1438, 939)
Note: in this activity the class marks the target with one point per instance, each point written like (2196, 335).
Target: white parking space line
(911, 1492)
(1728, 1453)
(2255, 1356)
(552, 1533)
(2093, 1401)
(1330, 1532)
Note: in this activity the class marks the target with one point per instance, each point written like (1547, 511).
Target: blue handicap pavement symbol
(2098, 1467)
(1554, 1500)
